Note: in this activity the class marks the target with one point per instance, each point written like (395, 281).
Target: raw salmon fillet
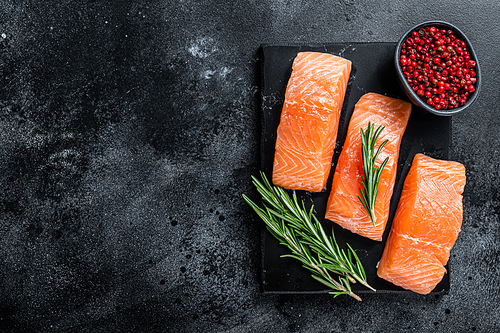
(426, 225)
(309, 121)
(344, 206)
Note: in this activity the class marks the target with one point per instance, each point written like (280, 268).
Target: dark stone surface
(372, 71)
(129, 131)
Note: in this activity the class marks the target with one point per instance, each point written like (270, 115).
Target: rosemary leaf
(299, 229)
(371, 174)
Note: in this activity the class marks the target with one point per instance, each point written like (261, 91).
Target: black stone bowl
(412, 95)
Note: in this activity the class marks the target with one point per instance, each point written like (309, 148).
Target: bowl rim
(412, 94)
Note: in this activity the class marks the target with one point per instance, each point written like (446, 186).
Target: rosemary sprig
(371, 173)
(301, 232)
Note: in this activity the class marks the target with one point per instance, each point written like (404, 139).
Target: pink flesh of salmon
(344, 206)
(426, 225)
(309, 121)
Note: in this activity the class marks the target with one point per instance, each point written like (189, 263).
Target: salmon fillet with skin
(344, 206)
(307, 132)
(426, 225)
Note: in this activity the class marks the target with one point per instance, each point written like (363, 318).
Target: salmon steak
(344, 206)
(309, 120)
(426, 225)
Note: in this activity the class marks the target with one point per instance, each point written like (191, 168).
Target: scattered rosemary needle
(371, 173)
(302, 233)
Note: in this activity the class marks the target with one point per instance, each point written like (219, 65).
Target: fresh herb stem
(371, 173)
(302, 233)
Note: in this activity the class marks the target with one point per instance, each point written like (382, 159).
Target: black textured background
(129, 130)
